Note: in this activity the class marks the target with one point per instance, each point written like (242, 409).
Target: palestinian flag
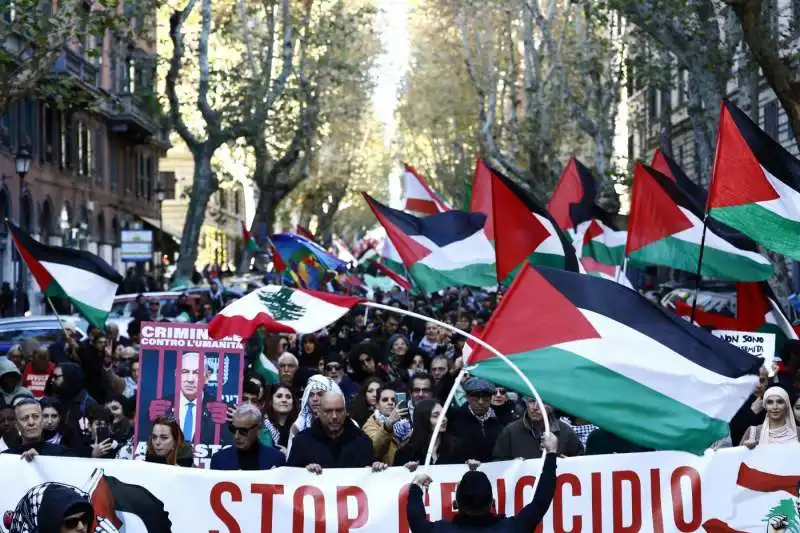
(670, 168)
(604, 353)
(130, 508)
(444, 250)
(280, 310)
(755, 184)
(757, 309)
(480, 200)
(394, 276)
(524, 230)
(304, 232)
(266, 369)
(665, 227)
(81, 277)
(418, 196)
(250, 244)
(573, 198)
(390, 258)
(599, 239)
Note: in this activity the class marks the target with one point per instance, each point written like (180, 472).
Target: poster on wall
(136, 245)
(185, 375)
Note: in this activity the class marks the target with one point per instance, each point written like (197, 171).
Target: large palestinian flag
(444, 250)
(665, 227)
(523, 230)
(418, 195)
(81, 277)
(604, 353)
(755, 184)
(573, 197)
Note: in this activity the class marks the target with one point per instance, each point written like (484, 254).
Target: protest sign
(665, 492)
(755, 343)
(186, 375)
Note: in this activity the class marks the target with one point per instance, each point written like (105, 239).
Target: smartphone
(103, 433)
(400, 397)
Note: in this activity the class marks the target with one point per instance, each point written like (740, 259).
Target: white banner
(649, 492)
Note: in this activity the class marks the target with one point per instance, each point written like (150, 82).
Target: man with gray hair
(247, 453)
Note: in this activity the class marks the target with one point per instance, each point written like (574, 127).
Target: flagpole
(53, 307)
(461, 374)
(699, 267)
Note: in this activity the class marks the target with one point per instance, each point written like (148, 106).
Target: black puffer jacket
(352, 449)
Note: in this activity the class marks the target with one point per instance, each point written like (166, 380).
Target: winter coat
(8, 367)
(523, 522)
(384, 445)
(480, 436)
(518, 439)
(352, 449)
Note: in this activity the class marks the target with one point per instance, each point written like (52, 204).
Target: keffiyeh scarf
(26, 515)
(315, 383)
(401, 430)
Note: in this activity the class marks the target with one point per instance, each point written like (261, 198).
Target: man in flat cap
(475, 422)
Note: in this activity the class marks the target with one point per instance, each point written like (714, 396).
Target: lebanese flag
(418, 195)
(281, 310)
(665, 227)
(755, 184)
(574, 195)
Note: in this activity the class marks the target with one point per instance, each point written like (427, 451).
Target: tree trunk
(702, 88)
(202, 187)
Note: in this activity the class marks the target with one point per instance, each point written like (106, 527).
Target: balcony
(73, 64)
(132, 115)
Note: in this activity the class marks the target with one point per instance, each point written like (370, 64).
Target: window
(771, 119)
(631, 154)
(83, 139)
(5, 129)
(99, 163)
(167, 180)
(149, 177)
(652, 102)
(113, 166)
(48, 131)
(66, 144)
(237, 198)
(683, 79)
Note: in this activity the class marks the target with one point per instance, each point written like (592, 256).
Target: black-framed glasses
(241, 431)
(333, 366)
(73, 521)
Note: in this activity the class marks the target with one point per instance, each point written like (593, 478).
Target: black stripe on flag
(80, 259)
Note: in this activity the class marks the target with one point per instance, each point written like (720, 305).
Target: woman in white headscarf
(779, 426)
(317, 386)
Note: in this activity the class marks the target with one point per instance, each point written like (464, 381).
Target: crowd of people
(365, 392)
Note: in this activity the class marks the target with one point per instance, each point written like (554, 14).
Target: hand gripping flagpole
(463, 371)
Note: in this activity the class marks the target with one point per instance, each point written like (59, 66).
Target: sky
(392, 66)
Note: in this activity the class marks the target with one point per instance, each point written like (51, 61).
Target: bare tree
(230, 120)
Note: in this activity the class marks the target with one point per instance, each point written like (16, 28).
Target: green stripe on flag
(612, 256)
(766, 227)
(266, 369)
(474, 275)
(684, 255)
(610, 400)
(95, 317)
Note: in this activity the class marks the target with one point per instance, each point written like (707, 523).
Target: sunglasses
(72, 523)
(500, 392)
(241, 431)
(333, 367)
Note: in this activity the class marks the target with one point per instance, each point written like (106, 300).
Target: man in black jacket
(28, 414)
(476, 423)
(332, 441)
(475, 501)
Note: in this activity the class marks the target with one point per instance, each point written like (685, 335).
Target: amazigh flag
(280, 310)
(250, 244)
(523, 230)
(665, 227)
(130, 508)
(755, 184)
(81, 277)
(604, 353)
(418, 195)
(573, 197)
(444, 250)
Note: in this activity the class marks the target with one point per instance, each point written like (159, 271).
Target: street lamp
(22, 161)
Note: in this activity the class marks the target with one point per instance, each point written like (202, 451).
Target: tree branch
(176, 21)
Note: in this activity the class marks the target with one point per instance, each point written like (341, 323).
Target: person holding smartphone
(99, 442)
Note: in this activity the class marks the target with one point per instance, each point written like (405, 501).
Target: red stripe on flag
(759, 481)
(438, 204)
(394, 276)
(42, 276)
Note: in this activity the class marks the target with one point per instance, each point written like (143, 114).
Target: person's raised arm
(533, 513)
(415, 508)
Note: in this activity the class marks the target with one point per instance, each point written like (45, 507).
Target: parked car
(44, 329)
